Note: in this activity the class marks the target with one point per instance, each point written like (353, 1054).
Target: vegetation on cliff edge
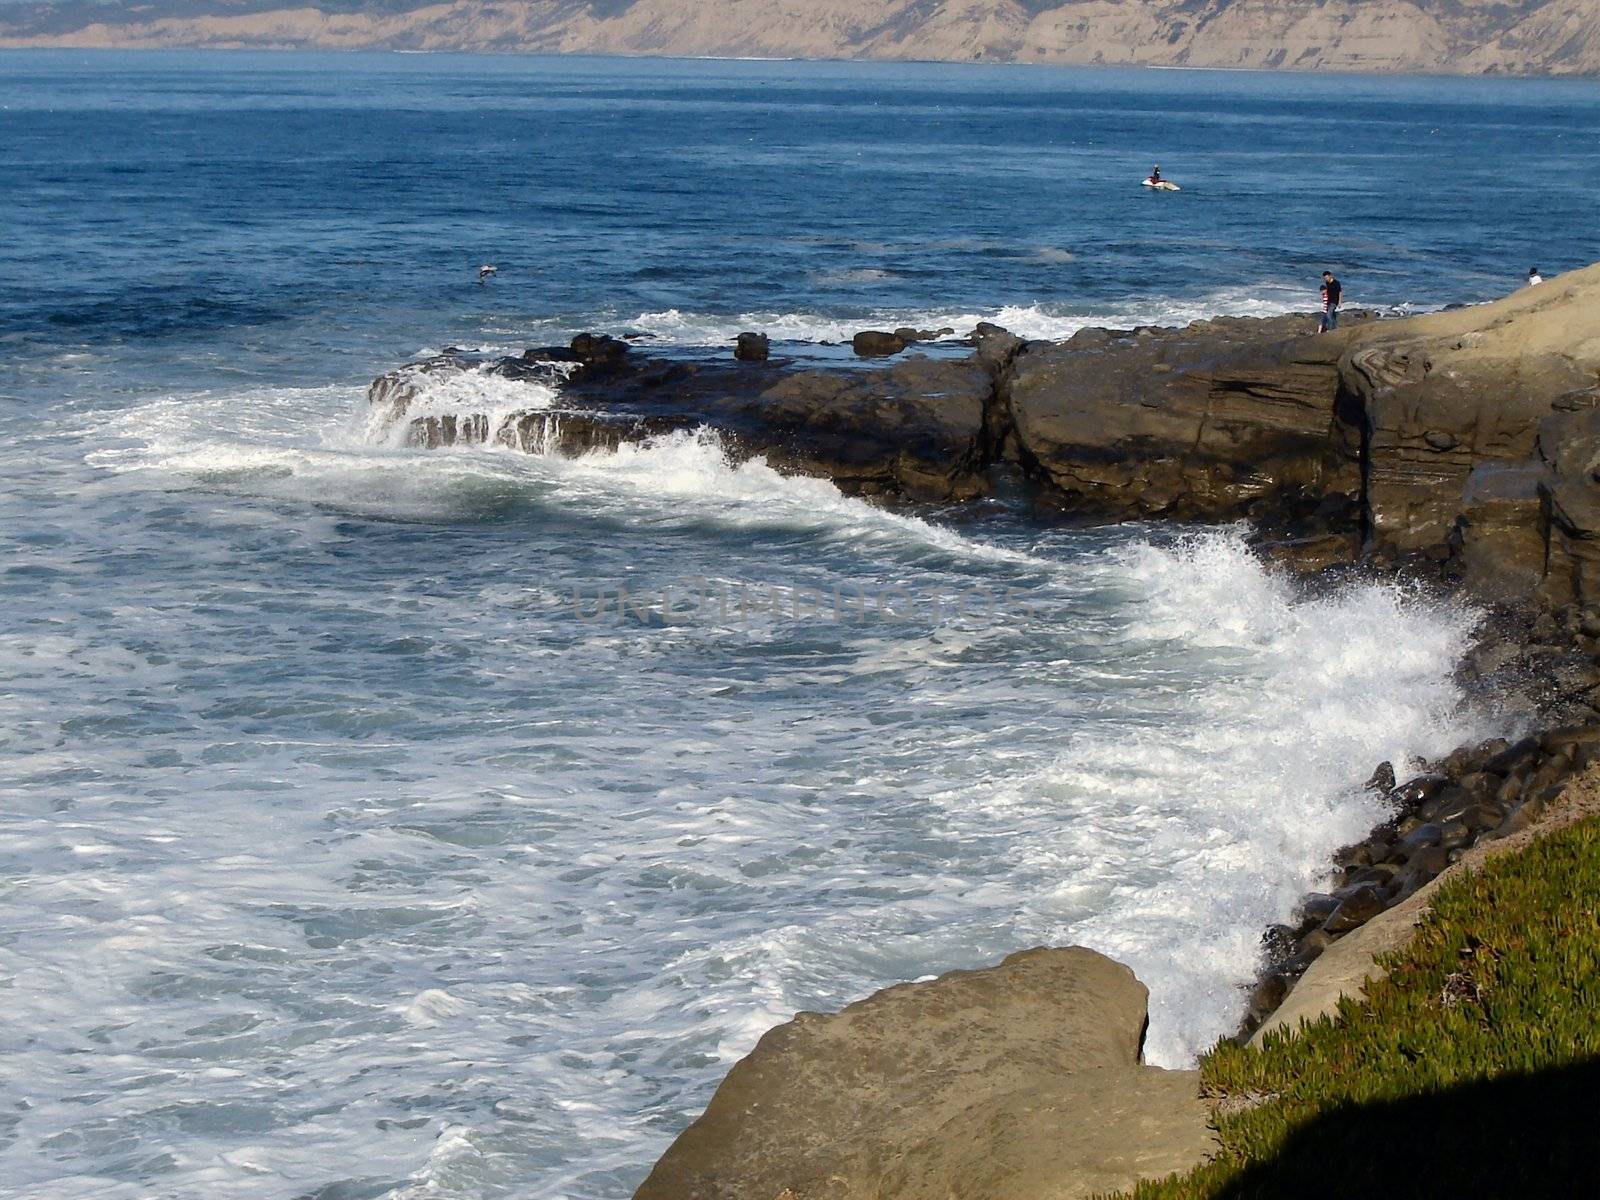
(1472, 1069)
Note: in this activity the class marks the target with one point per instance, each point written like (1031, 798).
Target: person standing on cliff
(1534, 278)
(1332, 292)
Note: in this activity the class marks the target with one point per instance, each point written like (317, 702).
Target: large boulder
(1020, 1080)
(752, 347)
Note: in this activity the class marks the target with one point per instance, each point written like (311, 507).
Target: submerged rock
(1020, 1080)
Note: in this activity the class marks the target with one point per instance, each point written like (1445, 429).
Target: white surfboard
(1166, 185)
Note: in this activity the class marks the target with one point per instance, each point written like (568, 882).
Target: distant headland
(1514, 37)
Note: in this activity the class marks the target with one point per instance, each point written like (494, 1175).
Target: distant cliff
(1559, 37)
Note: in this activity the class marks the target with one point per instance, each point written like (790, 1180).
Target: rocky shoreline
(1460, 450)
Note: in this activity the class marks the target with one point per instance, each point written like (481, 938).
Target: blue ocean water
(351, 849)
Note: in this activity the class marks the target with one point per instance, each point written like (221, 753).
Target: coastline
(1387, 450)
(1335, 71)
(453, 821)
(1533, 38)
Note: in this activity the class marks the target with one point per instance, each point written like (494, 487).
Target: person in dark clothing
(1155, 173)
(1331, 294)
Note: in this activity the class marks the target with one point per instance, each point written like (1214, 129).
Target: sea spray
(1251, 782)
(466, 859)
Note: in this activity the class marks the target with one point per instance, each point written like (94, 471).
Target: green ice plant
(1472, 1066)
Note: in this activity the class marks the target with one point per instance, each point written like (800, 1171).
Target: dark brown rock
(1378, 875)
(1429, 862)
(1567, 740)
(1317, 907)
(1483, 817)
(1356, 909)
(1354, 856)
(916, 429)
(1268, 993)
(1513, 757)
(1448, 805)
(1425, 834)
(1414, 793)
(1198, 421)
(752, 347)
(877, 343)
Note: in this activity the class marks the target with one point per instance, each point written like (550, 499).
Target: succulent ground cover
(1471, 1069)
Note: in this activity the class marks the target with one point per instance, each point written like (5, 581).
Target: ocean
(360, 838)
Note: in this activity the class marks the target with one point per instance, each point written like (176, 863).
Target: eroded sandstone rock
(1020, 1080)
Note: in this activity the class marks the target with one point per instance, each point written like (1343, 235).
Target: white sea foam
(379, 866)
(301, 444)
(1051, 322)
(499, 400)
(1171, 841)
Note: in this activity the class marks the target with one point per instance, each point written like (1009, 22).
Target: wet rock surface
(873, 343)
(1023, 1079)
(752, 347)
(916, 428)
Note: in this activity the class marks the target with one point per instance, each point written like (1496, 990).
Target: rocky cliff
(1467, 440)
(1467, 36)
(1463, 446)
